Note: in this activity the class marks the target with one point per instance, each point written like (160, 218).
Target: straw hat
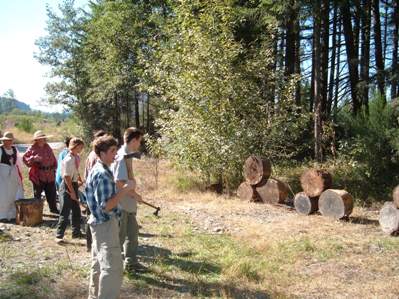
(40, 135)
(7, 136)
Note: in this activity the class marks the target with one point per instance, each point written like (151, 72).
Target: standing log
(315, 181)
(389, 218)
(395, 196)
(304, 204)
(273, 191)
(246, 192)
(257, 169)
(335, 203)
(29, 211)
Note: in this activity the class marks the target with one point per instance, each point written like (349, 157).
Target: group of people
(109, 194)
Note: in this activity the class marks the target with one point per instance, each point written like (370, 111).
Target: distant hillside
(9, 104)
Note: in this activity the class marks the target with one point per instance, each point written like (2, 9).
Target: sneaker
(59, 240)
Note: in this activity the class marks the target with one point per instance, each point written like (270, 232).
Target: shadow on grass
(163, 283)
(196, 288)
(363, 220)
(4, 236)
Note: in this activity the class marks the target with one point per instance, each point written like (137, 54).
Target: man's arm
(71, 191)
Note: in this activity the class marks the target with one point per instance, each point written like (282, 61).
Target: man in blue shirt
(102, 200)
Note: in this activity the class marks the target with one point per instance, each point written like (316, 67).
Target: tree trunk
(290, 40)
(384, 46)
(273, 191)
(297, 71)
(356, 25)
(148, 113)
(246, 192)
(333, 58)
(365, 54)
(304, 204)
(257, 170)
(324, 51)
(389, 218)
(335, 203)
(395, 73)
(351, 54)
(337, 76)
(116, 122)
(378, 47)
(317, 84)
(314, 182)
(136, 109)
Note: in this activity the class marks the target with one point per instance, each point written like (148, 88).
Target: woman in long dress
(10, 178)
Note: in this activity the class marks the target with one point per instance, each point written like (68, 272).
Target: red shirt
(42, 169)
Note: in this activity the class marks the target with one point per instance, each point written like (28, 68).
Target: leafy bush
(221, 108)
(25, 124)
(369, 143)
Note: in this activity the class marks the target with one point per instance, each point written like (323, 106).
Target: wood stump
(335, 203)
(29, 211)
(389, 218)
(273, 191)
(246, 192)
(315, 181)
(395, 196)
(304, 204)
(257, 170)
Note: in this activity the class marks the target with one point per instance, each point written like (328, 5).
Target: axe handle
(150, 205)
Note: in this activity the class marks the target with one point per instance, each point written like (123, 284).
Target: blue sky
(21, 23)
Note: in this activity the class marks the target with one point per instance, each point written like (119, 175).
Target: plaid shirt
(100, 187)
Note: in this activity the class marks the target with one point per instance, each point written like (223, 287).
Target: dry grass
(305, 256)
(261, 251)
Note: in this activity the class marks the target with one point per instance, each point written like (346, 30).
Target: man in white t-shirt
(123, 173)
(69, 200)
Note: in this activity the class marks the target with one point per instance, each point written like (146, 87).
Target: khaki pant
(129, 237)
(106, 266)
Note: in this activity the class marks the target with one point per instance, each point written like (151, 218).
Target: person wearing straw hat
(69, 199)
(10, 177)
(42, 165)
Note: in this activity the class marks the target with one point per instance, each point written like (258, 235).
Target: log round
(395, 196)
(315, 181)
(389, 218)
(29, 211)
(304, 204)
(256, 170)
(246, 192)
(273, 191)
(335, 203)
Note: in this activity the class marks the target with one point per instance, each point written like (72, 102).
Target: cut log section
(335, 203)
(257, 169)
(389, 218)
(395, 196)
(273, 191)
(29, 211)
(315, 181)
(304, 204)
(246, 192)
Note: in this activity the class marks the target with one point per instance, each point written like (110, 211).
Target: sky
(21, 23)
